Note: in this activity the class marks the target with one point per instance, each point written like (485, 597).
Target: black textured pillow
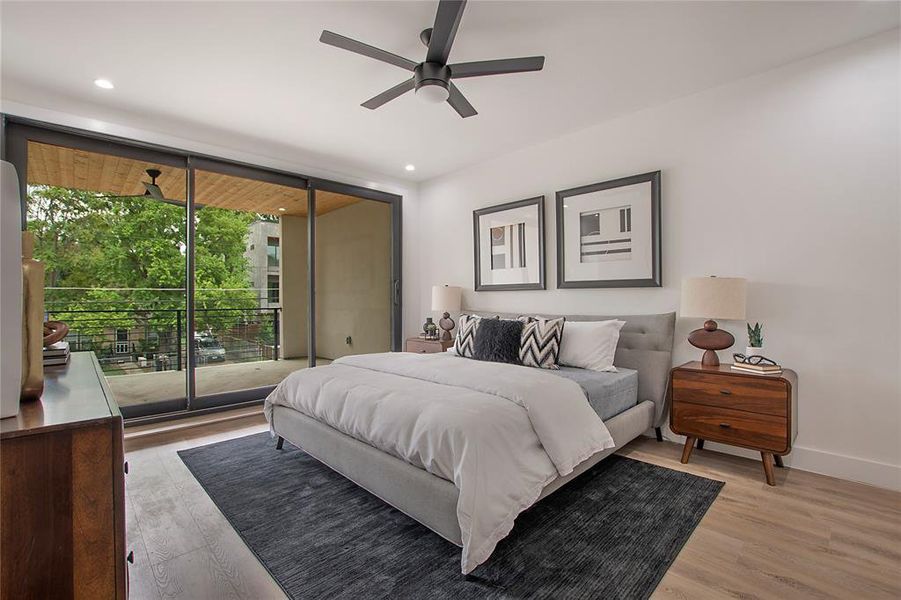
(498, 341)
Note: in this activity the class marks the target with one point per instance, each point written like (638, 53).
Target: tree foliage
(128, 256)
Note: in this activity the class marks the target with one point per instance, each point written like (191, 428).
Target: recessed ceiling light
(104, 83)
(280, 209)
(410, 167)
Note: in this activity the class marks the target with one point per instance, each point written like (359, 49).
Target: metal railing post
(178, 336)
(275, 333)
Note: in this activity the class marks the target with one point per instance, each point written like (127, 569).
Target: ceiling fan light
(433, 93)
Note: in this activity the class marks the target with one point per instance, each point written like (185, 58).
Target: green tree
(128, 256)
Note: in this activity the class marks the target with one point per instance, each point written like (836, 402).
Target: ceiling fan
(151, 190)
(432, 78)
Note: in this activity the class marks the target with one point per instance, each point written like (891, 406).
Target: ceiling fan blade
(447, 19)
(497, 67)
(345, 43)
(459, 102)
(390, 94)
(154, 191)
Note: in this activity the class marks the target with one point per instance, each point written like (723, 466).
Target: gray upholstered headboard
(645, 344)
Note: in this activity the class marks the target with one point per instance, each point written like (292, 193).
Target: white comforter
(499, 432)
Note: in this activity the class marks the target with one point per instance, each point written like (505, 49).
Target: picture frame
(609, 234)
(508, 246)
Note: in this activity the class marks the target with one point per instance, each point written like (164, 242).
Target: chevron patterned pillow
(540, 346)
(466, 334)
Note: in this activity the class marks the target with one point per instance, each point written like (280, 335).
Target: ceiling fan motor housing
(429, 73)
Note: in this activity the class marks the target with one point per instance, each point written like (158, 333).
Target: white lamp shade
(446, 298)
(714, 297)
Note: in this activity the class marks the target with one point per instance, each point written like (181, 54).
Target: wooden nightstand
(421, 346)
(719, 404)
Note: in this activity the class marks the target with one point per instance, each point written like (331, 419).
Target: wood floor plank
(811, 536)
(141, 583)
(167, 527)
(195, 575)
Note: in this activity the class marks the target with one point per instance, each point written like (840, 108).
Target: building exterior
(264, 261)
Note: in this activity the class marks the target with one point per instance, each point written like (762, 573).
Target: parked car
(208, 348)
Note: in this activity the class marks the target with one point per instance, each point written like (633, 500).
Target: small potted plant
(755, 340)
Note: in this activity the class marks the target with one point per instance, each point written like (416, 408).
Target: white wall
(790, 179)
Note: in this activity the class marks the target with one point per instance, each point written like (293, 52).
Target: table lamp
(713, 298)
(446, 298)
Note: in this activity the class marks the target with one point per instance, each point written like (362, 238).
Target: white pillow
(590, 344)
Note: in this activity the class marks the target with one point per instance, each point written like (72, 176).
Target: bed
(463, 446)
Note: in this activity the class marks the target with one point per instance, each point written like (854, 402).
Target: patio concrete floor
(141, 388)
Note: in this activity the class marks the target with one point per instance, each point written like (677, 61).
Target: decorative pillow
(590, 344)
(540, 342)
(498, 341)
(466, 334)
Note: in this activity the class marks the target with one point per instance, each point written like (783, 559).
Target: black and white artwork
(509, 246)
(608, 234)
(605, 234)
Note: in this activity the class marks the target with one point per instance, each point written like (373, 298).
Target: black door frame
(18, 131)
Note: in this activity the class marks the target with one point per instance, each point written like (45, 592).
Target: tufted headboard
(645, 344)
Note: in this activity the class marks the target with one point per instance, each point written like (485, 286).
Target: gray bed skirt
(429, 499)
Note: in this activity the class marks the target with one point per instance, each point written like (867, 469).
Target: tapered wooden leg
(767, 459)
(778, 460)
(279, 443)
(700, 444)
(686, 451)
(659, 433)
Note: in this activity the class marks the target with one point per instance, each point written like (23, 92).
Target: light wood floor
(809, 537)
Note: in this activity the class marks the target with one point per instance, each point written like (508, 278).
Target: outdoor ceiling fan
(432, 78)
(151, 190)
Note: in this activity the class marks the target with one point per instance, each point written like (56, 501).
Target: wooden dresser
(723, 405)
(62, 490)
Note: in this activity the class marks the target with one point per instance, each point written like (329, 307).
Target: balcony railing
(130, 341)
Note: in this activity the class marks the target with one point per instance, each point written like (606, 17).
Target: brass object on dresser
(421, 346)
(719, 404)
(62, 490)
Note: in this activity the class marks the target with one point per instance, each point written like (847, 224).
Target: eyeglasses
(754, 359)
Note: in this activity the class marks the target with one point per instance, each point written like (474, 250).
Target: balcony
(143, 353)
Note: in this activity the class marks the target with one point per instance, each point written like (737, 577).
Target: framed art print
(508, 242)
(608, 234)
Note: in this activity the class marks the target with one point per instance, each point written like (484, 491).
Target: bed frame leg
(279, 443)
(659, 433)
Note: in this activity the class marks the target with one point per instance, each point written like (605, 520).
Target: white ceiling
(257, 72)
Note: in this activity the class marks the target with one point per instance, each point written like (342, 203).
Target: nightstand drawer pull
(725, 425)
(725, 392)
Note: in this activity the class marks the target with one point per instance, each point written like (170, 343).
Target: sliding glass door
(110, 231)
(250, 283)
(199, 282)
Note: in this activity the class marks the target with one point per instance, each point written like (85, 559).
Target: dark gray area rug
(611, 533)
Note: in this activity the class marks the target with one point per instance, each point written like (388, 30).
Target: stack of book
(757, 369)
(56, 354)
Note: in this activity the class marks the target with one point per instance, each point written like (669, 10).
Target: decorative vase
(10, 292)
(430, 328)
(754, 351)
(32, 322)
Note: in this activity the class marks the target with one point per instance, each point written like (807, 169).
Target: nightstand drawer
(422, 347)
(759, 431)
(762, 395)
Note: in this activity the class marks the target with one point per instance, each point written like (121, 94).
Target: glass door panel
(110, 231)
(353, 276)
(250, 296)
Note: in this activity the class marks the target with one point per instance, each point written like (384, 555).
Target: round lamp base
(710, 338)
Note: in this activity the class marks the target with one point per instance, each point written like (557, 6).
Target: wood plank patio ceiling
(118, 176)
